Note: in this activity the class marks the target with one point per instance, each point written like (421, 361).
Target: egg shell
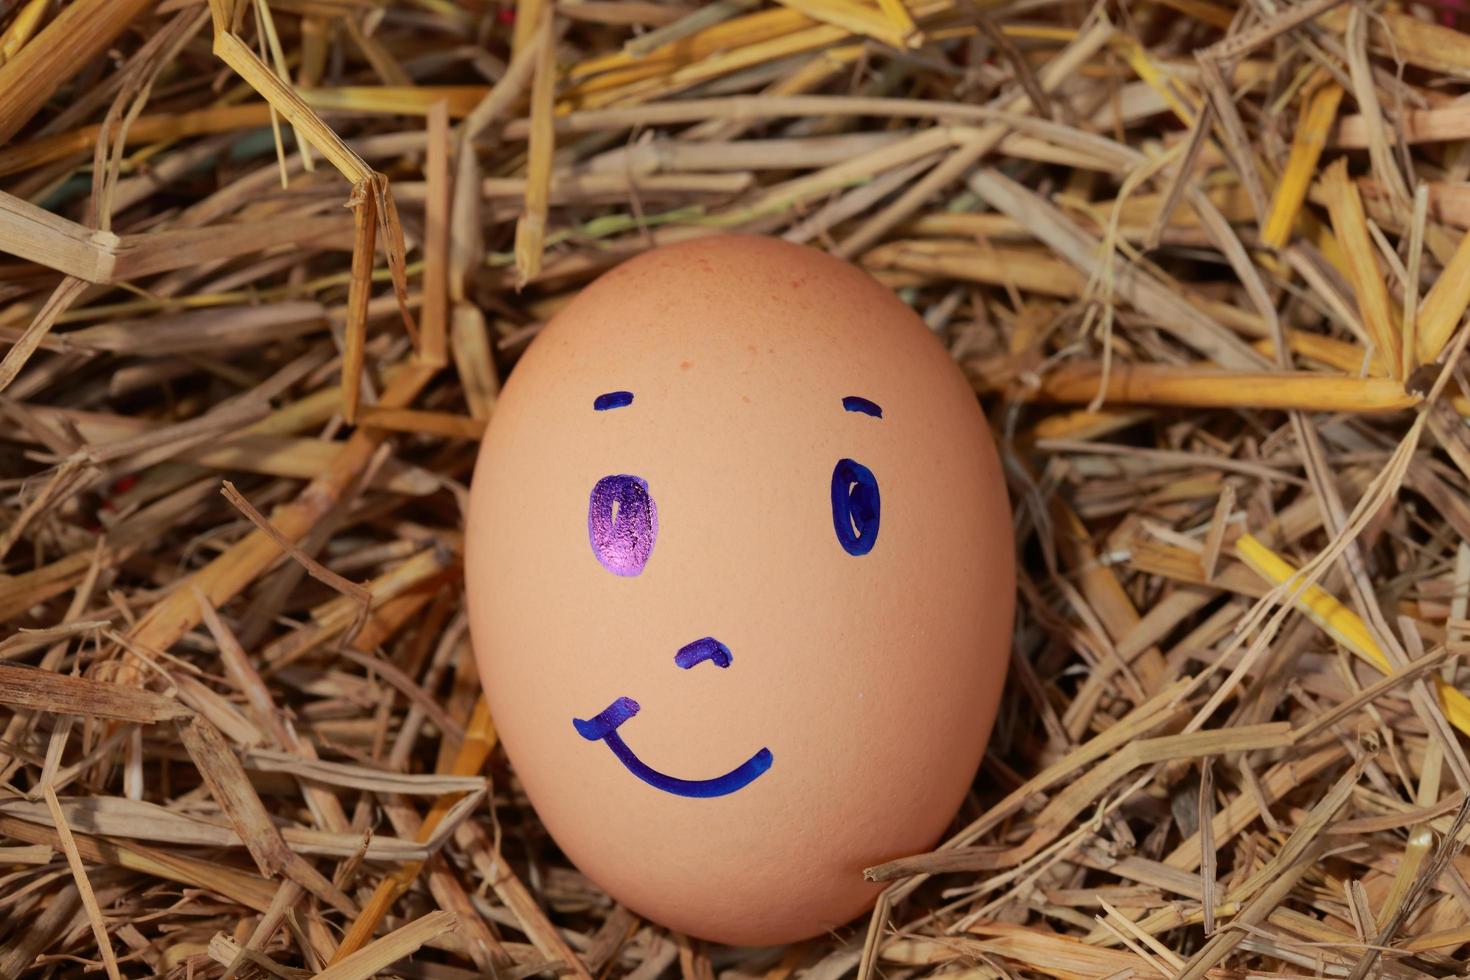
(870, 678)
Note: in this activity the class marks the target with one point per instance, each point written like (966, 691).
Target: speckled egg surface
(740, 575)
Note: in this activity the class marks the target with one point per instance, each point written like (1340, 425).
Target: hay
(1207, 268)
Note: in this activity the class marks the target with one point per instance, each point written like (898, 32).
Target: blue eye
(622, 523)
(855, 506)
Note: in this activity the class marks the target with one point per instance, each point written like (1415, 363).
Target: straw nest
(268, 262)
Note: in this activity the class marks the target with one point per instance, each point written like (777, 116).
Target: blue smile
(603, 727)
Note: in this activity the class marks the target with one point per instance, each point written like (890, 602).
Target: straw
(1340, 622)
(1205, 267)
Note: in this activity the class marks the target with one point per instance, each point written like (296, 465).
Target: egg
(740, 581)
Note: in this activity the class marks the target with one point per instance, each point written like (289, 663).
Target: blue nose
(699, 651)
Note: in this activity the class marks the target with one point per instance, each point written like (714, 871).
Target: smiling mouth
(604, 727)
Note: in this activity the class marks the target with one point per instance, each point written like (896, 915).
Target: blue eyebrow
(857, 403)
(613, 399)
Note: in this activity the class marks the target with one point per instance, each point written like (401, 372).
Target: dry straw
(264, 266)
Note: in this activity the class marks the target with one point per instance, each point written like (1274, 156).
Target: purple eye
(622, 523)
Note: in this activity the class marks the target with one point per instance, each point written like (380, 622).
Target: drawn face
(738, 570)
(622, 528)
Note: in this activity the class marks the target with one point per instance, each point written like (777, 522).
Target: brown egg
(740, 579)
